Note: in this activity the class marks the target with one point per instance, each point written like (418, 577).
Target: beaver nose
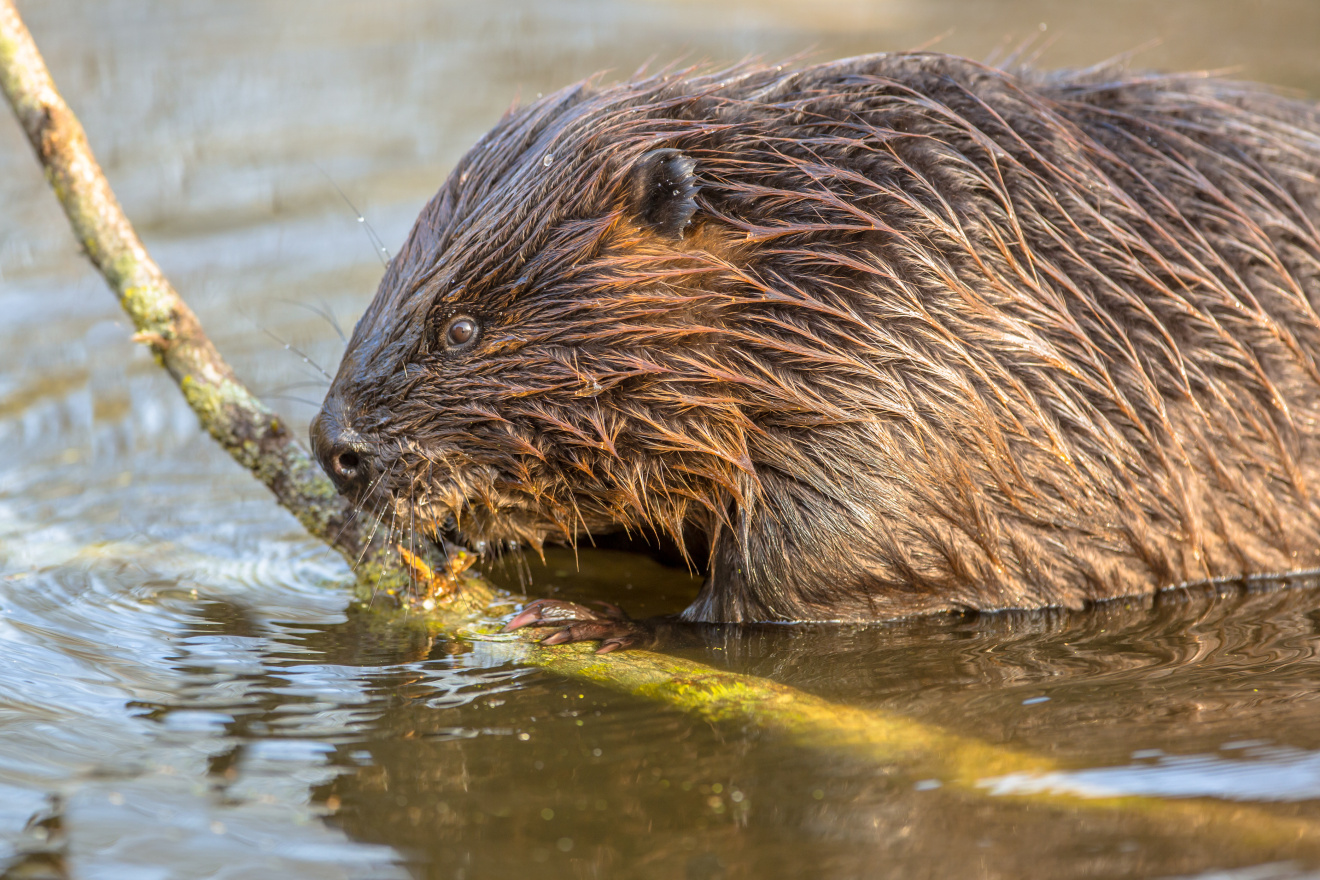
(342, 452)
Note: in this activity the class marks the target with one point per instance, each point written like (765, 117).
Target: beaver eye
(460, 332)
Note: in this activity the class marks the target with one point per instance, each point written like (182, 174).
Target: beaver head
(892, 334)
(533, 366)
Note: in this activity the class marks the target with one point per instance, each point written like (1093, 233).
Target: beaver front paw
(610, 626)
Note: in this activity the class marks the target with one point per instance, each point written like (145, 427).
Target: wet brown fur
(938, 336)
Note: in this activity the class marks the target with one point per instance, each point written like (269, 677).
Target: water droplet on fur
(547, 159)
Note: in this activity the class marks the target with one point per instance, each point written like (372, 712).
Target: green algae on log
(964, 765)
(249, 431)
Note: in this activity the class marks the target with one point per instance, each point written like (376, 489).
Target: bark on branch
(255, 436)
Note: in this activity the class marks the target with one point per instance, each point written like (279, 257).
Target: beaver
(886, 336)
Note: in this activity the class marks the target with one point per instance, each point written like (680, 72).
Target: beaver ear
(662, 191)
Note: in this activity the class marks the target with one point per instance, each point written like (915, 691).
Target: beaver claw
(610, 626)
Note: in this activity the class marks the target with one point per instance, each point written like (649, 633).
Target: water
(183, 690)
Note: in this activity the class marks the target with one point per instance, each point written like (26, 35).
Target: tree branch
(251, 433)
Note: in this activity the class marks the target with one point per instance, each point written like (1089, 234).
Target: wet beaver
(890, 335)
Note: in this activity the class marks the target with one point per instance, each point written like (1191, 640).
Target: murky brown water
(183, 695)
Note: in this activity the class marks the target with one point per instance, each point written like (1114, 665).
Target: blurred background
(226, 126)
(180, 695)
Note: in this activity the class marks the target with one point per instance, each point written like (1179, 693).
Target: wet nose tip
(342, 454)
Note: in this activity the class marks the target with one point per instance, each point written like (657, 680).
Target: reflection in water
(1252, 774)
(470, 771)
(261, 706)
(590, 782)
(181, 696)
